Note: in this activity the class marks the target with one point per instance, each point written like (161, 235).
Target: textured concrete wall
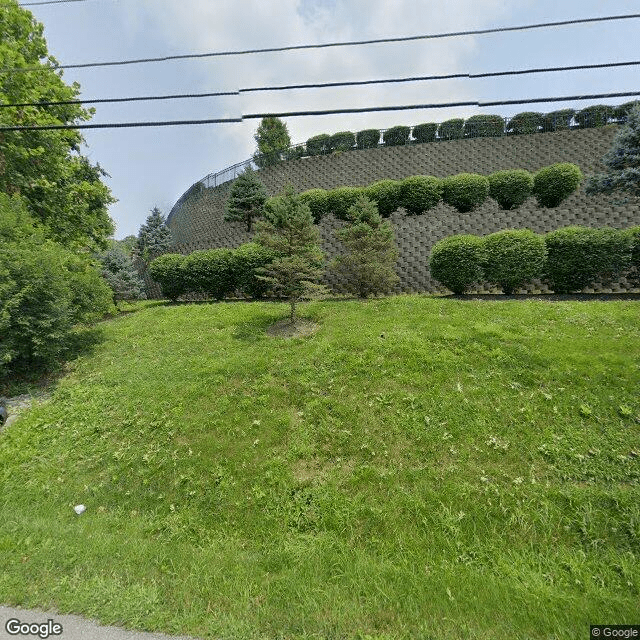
(200, 225)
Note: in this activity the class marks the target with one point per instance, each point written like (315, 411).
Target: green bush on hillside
(484, 126)
(512, 258)
(456, 262)
(246, 259)
(465, 191)
(318, 145)
(342, 141)
(510, 188)
(634, 266)
(396, 136)
(451, 129)
(555, 183)
(578, 256)
(168, 271)
(341, 199)
(210, 271)
(622, 111)
(525, 122)
(368, 138)
(318, 202)
(425, 132)
(597, 115)
(386, 194)
(558, 120)
(420, 193)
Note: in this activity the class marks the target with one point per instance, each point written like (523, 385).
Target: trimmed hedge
(634, 267)
(387, 194)
(342, 141)
(210, 271)
(168, 271)
(318, 145)
(555, 183)
(578, 256)
(596, 115)
(425, 132)
(456, 262)
(340, 200)
(621, 111)
(558, 120)
(484, 126)
(465, 191)
(510, 188)
(396, 136)
(318, 202)
(420, 193)
(451, 129)
(246, 259)
(513, 257)
(368, 138)
(525, 123)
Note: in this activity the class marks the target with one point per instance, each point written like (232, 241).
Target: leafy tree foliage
(154, 237)
(622, 161)
(62, 189)
(288, 230)
(246, 199)
(272, 138)
(367, 267)
(121, 275)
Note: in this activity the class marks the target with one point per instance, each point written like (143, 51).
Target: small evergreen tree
(121, 275)
(272, 138)
(247, 198)
(367, 267)
(289, 231)
(154, 237)
(622, 161)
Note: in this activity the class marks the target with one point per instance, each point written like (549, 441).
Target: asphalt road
(73, 628)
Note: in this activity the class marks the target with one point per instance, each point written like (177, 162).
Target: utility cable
(291, 114)
(180, 96)
(33, 4)
(327, 44)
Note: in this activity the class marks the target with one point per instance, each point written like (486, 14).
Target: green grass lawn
(419, 468)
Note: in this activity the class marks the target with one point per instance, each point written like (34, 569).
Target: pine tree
(623, 160)
(367, 267)
(288, 230)
(246, 199)
(154, 237)
(272, 138)
(121, 275)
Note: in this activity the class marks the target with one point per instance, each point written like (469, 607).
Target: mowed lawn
(421, 467)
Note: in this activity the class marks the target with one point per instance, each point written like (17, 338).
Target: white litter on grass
(79, 509)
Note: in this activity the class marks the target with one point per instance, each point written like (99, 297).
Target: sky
(151, 167)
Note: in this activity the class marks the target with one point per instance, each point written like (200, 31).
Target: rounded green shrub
(246, 259)
(558, 120)
(512, 258)
(621, 111)
(342, 141)
(525, 122)
(597, 115)
(465, 191)
(340, 200)
(451, 129)
(318, 202)
(167, 270)
(318, 145)
(456, 262)
(368, 138)
(634, 266)
(210, 271)
(396, 136)
(425, 132)
(293, 153)
(578, 256)
(484, 126)
(420, 193)
(387, 194)
(555, 183)
(510, 188)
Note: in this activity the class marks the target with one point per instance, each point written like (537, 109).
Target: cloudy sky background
(154, 166)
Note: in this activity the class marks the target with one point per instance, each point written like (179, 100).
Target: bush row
(457, 128)
(567, 260)
(217, 273)
(465, 191)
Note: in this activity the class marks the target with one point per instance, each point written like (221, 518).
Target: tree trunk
(248, 224)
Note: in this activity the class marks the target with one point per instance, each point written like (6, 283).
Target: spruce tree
(622, 161)
(121, 275)
(367, 267)
(272, 138)
(246, 199)
(154, 237)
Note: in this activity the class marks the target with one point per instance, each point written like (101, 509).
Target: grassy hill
(418, 468)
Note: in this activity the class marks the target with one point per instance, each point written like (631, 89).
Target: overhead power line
(327, 44)
(33, 4)
(292, 114)
(290, 87)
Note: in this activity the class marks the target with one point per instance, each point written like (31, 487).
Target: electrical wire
(181, 96)
(325, 45)
(33, 4)
(291, 114)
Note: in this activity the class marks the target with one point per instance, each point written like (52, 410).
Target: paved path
(73, 627)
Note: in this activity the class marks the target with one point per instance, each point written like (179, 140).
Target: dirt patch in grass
(299, 328)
